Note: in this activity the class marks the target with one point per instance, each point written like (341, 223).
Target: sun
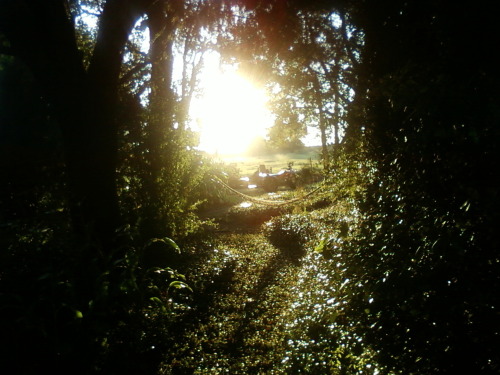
(231, 113)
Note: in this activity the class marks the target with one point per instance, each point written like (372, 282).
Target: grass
(246, 165)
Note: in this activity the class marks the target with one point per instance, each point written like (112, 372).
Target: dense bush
(290, 233)
(184, 183)
(74, 312)
(423, 271)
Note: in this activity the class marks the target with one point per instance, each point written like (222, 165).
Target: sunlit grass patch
(249, 164)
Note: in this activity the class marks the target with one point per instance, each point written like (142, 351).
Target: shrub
(290, 233)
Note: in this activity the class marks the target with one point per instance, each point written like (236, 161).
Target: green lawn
(247, 165)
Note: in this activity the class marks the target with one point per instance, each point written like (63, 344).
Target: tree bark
(160, 119)
(83, 102)
(321, 123)
(161, 27)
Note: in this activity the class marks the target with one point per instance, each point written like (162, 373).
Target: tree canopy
(101, 179)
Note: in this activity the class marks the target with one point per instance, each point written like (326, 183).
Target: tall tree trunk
(161, 23)
(322, 124)
(83, 103)
(161, 28)
(324, 145)
(336, 114)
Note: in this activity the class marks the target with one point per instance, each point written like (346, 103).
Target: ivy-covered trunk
(160, 126)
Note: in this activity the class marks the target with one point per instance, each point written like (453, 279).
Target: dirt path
(243, 288)
(256, 309)
(243, 296)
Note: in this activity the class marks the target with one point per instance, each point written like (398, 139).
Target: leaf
(156, 300)
(321, 246)
(465, 206)
(333, 316)
(179, 285)
(172, 243)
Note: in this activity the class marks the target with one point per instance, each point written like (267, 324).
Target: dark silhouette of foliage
(392, 268)
(73, 291)
(424, 270)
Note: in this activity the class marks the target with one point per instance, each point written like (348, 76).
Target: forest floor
(249, 314)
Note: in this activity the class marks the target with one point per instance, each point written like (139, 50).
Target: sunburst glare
(231, 113)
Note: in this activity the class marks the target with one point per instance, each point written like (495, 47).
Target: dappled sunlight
(255, 187)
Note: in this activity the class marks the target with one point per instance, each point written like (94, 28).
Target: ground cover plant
(123, 251)
(271, 291)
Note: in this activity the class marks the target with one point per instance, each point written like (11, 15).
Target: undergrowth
(270, 299)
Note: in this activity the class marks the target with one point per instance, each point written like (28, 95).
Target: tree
(83, 101)
(317, 73)
(309, 72)
(179, 38)
(423, 277)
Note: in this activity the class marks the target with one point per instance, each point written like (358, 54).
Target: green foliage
(289, 233)
(67, 308)
(209, 192)
(262, 308)
(166, 206)
(253, 217)
(423, 272)
(181, 178)
(309, 175)
(392, 267)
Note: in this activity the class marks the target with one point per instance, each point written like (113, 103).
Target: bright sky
(231, 113)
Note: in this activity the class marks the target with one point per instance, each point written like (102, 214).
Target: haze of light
(231, 114)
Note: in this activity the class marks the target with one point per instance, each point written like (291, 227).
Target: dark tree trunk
(83, 103)
(324, 145)
(322, 124)
(161, 27)
(160, 130)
